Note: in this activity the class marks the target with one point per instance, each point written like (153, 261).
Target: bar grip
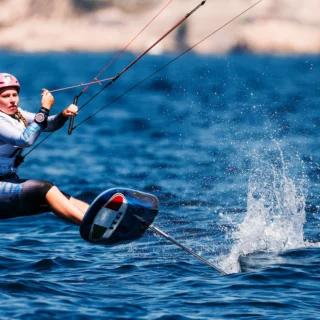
(75, 102)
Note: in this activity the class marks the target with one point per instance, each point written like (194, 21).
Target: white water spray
(275, 213)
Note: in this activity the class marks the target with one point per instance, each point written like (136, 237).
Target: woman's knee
(36, 189)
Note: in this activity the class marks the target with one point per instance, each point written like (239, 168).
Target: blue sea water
(230, 146)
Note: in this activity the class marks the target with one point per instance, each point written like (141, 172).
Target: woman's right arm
(15, 136)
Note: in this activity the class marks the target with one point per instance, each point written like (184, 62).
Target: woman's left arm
(57, 121)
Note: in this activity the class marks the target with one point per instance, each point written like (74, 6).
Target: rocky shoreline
(273, 26)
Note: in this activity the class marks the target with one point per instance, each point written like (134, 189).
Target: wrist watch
(40, 117)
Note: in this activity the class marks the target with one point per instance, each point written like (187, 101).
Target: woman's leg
(82, 206)
(19, 197)
(72, 210)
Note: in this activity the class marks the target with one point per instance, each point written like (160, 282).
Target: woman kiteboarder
(20, 129)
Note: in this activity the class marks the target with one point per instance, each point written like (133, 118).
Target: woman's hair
(22, 118)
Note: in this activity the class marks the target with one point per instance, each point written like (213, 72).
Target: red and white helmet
(8, 80)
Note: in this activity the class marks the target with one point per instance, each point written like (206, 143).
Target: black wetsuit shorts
(20, 197)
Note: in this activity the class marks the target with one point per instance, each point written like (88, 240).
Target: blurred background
(276, 26)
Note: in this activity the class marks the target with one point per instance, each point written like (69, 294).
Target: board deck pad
(113, 217)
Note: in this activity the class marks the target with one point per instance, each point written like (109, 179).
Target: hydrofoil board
(118, 215)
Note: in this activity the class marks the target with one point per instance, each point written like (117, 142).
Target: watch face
(39, 117)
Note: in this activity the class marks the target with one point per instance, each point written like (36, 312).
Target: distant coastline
(273, 26)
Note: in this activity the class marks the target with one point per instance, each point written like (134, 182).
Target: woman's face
(9, 100)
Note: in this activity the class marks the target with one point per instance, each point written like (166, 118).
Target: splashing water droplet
(275, 213)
